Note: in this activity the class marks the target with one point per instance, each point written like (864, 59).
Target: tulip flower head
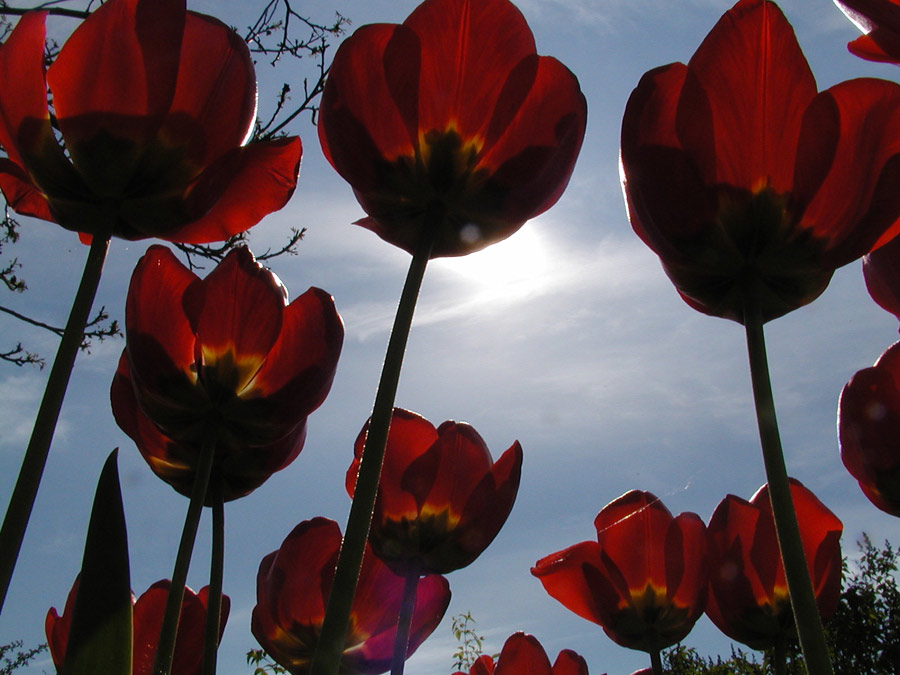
(748, 598)
(750, 186)
(879, 20)
(147, 615)
(524, 654)
(225, 356)
(869, 430)
(645, 578)
(450, 126)
(292, 589)
(152, 106)
(441, 498)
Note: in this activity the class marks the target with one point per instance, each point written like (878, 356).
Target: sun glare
(516, 264)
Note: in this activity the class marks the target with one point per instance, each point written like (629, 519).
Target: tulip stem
(779, 656)
(803, 601)
(340, 601)
(22, 501)
(401, 641)
(169, 629)
(656, 662)
(216, 574)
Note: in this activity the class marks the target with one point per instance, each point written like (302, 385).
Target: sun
(517, 263)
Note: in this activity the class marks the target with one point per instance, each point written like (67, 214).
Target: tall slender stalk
(404, 621)
(22, 501)
(216, 573)
(803, 600)
(337, 615)
(169, 630)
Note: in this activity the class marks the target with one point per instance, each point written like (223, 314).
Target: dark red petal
(687, 565)
(570, 663)
(24, 117)
(856, 207)
(563, 577)
(159, 338)
(237, 308)
(295, 585)
(359, 123)
(758, 84)
(881, 269)
(238, 190)
(21, 194)
(632, 531)
(215, 98)
(664, 189)
(880, 20)
(301, 364)
(375, 614)
(409, 436)
(445, 476)
(535, 150)
(522, 655)
(484, 665)
(122, 61)
(490, 503)
(56, 627)
(468, 50)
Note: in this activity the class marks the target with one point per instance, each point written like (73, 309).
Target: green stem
(803, 601)
(779, 656)
(656, 662)
(404, 621)
(337, 615)
(165, 649)
(22, 501)
(216, 573)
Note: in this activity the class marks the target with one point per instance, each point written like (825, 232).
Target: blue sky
(567, 337)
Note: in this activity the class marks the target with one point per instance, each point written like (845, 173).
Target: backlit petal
(563, 577)
(468, 49)
(758, 84)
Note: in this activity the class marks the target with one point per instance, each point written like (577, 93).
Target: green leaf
(100, 637)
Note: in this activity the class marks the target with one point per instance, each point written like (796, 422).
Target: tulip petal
(522, 655)
(216, 74)
(855, 209)
(569, 663)
(24, 117)
(635, 516)
(535, 150)
(352, 125)
(301, 364)
(121, 63)
(237, 191)
(20, 193)
(470, 49)
(563, 577)
(758, 84)
(881, 269)
(161, 341)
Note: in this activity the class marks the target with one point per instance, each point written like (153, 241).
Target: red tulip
(524, 654)
(451, 117)
(153, 105)
(292, 590)
(645, 578)
(748, 598)
(441, 498)
(869, 430)
(147, 615)
(880, 21)
(749, 185)
(227, 356)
